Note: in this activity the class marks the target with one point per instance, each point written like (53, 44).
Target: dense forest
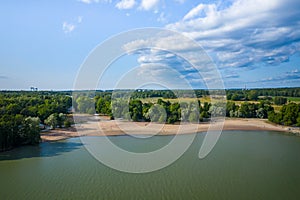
(239, 94)
(23, 114)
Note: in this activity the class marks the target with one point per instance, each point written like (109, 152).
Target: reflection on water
(46, 149)
(243, 165)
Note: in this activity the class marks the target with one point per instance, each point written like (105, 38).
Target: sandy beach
(101, 126)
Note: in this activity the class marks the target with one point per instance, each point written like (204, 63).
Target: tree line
(289, 115)
(135, 110)
(264, 94)
(165, 111)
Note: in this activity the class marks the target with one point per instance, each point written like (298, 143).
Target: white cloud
(200, 10)
(245, 32)
(79, 19)
(162, 18)
(149, 4)
(125, 4)
(68, 27)
(165, 52)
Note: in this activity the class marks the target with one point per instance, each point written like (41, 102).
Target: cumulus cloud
(164, 53)
(79, 19)
(149, 4)
(68, 27)
(162, 18)
(125, 4)
(245, 32)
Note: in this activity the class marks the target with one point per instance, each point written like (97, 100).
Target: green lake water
(243, 165)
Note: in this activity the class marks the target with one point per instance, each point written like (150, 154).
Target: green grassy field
(154, 100)
(294, 99)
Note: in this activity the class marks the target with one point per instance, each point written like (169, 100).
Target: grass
(207, 99)
(187, 99)
(294, 99)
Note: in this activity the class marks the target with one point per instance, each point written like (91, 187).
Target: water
(243, 165)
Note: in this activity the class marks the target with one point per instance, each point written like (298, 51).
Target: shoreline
(101, 126)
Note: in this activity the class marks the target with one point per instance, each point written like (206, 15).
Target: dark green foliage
(289, 115)
(168, 94)
(18, 130)
(103, 105)
(249, 110)
(136, 110)
(252, 95)
(67, 123)
(280, 100)
(255, 94)
(85, 105)
(230, 106)
(22, 112)
(161, 112)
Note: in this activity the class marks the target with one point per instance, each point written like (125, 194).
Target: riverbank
(101, 126)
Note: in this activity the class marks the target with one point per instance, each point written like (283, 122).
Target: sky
(252, 43)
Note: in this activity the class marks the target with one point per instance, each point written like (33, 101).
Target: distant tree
(217, 109)
(136, 110)
(52, 121)
(67, 123)
(146, 107)
(31, 130)
(280, 100)
(261, 113)
(194, 117)
(85, 105)
(229, 96)
(157, 113)
(61, 119)
(13, 109)
(244, 110)
(252, 95)
(235, 97)
(231, 107)
(290, 113)
(175, 113)
(298, 120)
(103, 105)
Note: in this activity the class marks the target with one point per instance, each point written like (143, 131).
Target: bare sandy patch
(101, 126)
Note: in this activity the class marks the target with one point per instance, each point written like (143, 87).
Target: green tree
(230, 106)
(157, 113)
(31, 130)
(252, 95)
(280, 100)
(61, 119)
(52, 121)
(85, 105)
(136, 110)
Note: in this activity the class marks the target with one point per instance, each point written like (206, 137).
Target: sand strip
(104, 127)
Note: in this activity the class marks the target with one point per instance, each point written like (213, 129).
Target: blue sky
(252, 42)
